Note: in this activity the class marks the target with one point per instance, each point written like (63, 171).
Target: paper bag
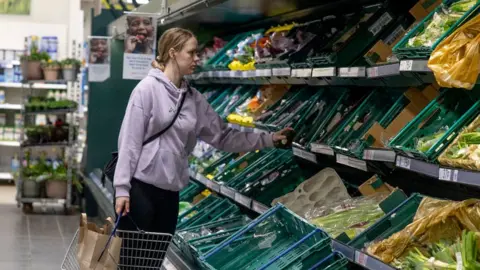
(92, 241)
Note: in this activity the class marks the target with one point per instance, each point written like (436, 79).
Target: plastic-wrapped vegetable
(351, 216)
(425, 143)
(441, 22)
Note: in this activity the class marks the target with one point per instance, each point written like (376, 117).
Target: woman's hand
(122, 205)
(283, 138)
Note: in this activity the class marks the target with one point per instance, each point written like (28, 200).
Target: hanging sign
(139, 46)
(98, 59)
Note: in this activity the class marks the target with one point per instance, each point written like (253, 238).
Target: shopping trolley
(140, 249)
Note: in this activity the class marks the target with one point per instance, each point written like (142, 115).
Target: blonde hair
(172, 38)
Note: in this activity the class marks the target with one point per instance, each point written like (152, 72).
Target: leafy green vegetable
(424, 144)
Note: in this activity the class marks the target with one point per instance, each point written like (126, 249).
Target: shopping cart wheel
(27, 208)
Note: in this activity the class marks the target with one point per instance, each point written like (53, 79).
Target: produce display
(38, 104)
(442, 20)
(438, 228)
(350, 216)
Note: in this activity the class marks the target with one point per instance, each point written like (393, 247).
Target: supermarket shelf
(11, 106)
(42, 200)
(359, 257)
(55, 144)
(408, 72)
(229, 193)
(62, 111)
(247, 129)
(401, 162)
(35, 85)
(10, 143)
(6, 176)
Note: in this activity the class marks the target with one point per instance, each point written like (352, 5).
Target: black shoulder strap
(154, 137)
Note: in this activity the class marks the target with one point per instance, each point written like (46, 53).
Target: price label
(384, 20)
(352, 162)
(305, 155)
(243, 200)
(214, 186)
(403, 162)
(352, 72)
(281, 71)
(444, 174)
(264, 73)
(324, 72)
(322, 149)
(191, 173)
(302, 72)
(250, 74)
(228, 192)
(211, 74)
(372, 72)
(361, 258)
(406, 65)
(455, 176)
(379, 155)
(259, 207)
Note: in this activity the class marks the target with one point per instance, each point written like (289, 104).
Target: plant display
(441, 22)
(41, 103)
(57, 132)
(70, 63)
(50, 64)
(35, 56)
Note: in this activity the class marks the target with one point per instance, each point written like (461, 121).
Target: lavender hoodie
(163, 162)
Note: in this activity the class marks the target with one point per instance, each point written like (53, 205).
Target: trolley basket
(140, 249)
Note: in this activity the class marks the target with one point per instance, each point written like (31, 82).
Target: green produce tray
(193, 243)
(222, 209)
(455, 109)
(337, 110)
(222, 60)
(335, 261)
(192, 190)
(276, 238)
(401, 50)
(349, 141)
(275, 183)
(393, 222)
(308, 258)
(206, 202)
(255, 171)
(365, 35)
(252, 159)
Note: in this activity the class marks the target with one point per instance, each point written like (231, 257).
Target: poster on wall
(15, 7)
(98, 58)
(139, 46)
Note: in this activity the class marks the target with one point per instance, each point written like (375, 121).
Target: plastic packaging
(455, 61)
(350, 216)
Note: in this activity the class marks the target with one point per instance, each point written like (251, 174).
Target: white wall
(61, 18)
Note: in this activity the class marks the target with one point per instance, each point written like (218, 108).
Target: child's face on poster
(141, 26)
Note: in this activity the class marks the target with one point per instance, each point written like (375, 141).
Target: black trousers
(153, 210)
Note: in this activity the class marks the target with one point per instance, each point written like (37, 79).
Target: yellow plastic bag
(455, 62)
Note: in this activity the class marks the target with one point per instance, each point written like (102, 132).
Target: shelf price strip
(379, 155)
(243, 200)
(228, 192)
(352, 162)
(305, 155)
(259, 207)
(322, 149)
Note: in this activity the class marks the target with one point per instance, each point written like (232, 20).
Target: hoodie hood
(169, 85)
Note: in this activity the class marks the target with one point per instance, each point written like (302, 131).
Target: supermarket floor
(35, 241)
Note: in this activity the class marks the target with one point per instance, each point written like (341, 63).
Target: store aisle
(34, 241)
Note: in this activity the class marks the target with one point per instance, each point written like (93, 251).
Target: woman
(148, 179)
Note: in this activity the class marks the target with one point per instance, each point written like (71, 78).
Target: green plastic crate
(275, 238)
(335, 261)
(196, 240)
(308, 258)
(403, 52)
(348, 140)
(192, 190)
(221, 209)
(452, 109)
(391, 223)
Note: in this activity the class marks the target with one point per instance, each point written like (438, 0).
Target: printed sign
(139, 46)
(98, 59)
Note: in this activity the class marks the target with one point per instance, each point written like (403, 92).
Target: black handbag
(109, 169)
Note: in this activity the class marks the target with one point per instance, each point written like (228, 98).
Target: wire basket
(140, 250)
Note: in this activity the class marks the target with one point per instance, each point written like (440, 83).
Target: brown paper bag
(92, 242)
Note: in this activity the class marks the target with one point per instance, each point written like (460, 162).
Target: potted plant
(56, 186)
(70, 68)
(31, 64)
(51, 69)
